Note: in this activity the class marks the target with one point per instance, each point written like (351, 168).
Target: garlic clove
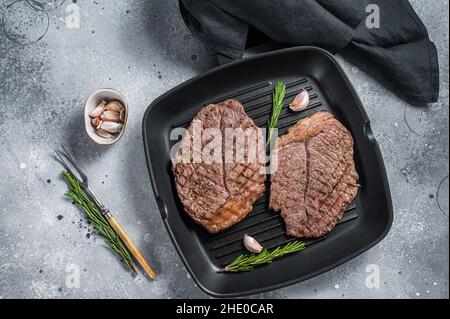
(300, 102)
(104, 134)
(96, 121)
(252, 245)
(122, 115)
(115, 106)
(98, 110)
(111, 127)
(112, 116)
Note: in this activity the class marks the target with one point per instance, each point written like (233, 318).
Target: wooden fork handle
(132, 247)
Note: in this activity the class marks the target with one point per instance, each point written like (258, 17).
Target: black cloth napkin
(400, 47)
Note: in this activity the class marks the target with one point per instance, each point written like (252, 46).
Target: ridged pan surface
(366, 221)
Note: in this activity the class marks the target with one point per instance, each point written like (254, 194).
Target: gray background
(143, 49)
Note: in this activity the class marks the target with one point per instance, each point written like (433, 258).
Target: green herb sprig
(93, 215)
(250, 261)
(278, 103)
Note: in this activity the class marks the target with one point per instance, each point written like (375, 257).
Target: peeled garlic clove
(104, 134)
(252, 245)
(115, 106)
(111, 127)
(112, 116)
(98, 110)
(300, 102)
(96, 121)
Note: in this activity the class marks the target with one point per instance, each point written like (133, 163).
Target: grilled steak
(218, 194)
(316, 178)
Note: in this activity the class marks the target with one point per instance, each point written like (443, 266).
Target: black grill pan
(251, 81)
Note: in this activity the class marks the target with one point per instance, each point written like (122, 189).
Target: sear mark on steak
(316, 178)
(217, 195)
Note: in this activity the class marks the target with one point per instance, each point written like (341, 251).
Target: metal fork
(104, 211)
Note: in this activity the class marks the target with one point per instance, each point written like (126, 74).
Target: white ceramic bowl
(92, 102)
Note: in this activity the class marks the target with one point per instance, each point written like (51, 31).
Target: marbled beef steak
(217, 195)
(316, 178)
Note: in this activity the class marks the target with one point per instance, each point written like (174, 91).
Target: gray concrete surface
(143, 49)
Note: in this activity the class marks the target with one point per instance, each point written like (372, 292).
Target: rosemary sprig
(250, 261)
(278, 102)
(94, 216)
